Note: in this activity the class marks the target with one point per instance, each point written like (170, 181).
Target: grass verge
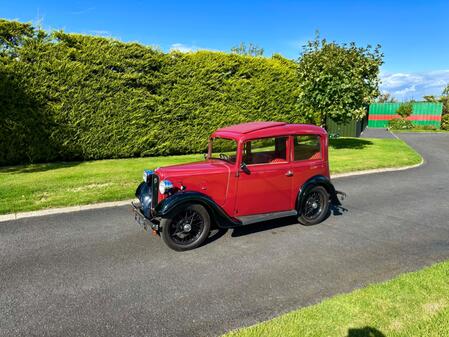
(413, 304)
(40, 186)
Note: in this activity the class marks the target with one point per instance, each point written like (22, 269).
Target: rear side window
(307, 147)
(265, 151)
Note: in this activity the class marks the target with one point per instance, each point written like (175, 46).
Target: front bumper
(142, 220)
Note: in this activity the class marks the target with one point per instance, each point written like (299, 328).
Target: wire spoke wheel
(315, 206)
(187, 228)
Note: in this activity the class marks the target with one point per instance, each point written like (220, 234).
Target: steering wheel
(224, 156)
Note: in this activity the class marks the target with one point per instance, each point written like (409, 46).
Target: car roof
(254, 130)
(250, 127)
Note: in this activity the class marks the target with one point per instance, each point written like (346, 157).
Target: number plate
(140, 219)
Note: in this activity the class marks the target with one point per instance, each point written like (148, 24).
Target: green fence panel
(350, 129)
(424, 113)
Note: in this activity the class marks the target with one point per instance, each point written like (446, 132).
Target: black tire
(186, 228)
(315, 206)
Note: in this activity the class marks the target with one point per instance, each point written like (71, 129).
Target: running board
(250, 219)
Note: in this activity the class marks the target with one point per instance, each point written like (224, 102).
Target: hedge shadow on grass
(349, 143)
(34, 168)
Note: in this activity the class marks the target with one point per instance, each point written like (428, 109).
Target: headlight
(147, 175)
(165, 186)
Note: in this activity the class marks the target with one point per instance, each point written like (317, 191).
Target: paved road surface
(376, 133)
(96, 273)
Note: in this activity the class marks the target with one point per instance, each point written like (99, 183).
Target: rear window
(307, 147)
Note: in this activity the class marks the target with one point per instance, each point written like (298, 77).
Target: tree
(386, 98)
(249, 50)
(445, 100)
(446, 90)
(13, 34)
(405, 109)
(430, 98)
(337, 81)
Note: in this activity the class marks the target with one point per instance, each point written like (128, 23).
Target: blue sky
(414, 34)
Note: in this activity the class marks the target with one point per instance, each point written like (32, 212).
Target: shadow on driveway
(334, 210)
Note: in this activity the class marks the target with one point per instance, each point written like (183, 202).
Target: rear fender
(312, 182)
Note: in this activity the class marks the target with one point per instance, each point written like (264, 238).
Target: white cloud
(405, 91)
(183, 48)
(406, 86)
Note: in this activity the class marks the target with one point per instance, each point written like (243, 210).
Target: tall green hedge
(70, 97)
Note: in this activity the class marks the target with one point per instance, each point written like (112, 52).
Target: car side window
(265, 151)
(307, 147)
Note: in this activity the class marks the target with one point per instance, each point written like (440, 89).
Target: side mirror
(245, 168)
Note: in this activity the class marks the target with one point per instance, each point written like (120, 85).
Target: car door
(264, 186)
(308, 160)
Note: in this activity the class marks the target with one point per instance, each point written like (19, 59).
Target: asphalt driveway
(95, 273)
(376, 133)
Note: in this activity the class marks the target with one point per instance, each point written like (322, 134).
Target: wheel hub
(314, 205)
(187, 227)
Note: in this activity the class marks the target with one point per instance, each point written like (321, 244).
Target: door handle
(289, 173)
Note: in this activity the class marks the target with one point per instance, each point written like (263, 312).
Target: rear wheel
(187, 228)
(315, 206)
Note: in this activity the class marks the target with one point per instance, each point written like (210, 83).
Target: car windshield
(224, 149)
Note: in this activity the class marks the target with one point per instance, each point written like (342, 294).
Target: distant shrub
(425, 127)
(400, 124)
(405, 109)
(445, 122)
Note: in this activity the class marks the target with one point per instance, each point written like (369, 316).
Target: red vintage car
(252, 172)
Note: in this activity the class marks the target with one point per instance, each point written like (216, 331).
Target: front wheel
(187, 228)
(315, 206)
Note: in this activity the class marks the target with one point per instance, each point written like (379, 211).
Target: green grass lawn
(39, 186)
(356, 154)
(413, 304)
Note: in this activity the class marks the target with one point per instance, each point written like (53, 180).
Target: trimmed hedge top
(76, 97)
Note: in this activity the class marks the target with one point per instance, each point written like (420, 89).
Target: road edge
(380, 170)
(70, 209)
(61, 210)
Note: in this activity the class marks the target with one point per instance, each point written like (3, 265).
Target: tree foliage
(386, 98)
(337, 81)
(248, 50)
(445, 122)
(430, 98)
(13, 34)
(405, 109)
(400, 124)
(444, 98)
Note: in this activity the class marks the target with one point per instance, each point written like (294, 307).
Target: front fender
(316, 181)
(179, 199)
